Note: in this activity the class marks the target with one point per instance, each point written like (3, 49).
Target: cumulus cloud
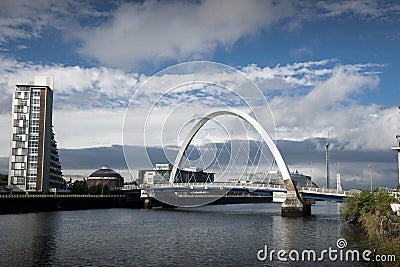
(158, 31)
(75, 86)
(126, 34)
(307, 99)
(22, 19)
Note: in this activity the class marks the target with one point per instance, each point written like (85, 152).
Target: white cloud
(309, 98)
(88, 128)
(126, 34)
(74, 86)
(368, 9)
(158, 31)
(22, 19)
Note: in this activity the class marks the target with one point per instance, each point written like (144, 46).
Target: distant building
(106, 176)
(34, 163)
(397, 150)
(275, 178)
(161, 174)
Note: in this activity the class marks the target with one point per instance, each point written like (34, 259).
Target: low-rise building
(106, 176)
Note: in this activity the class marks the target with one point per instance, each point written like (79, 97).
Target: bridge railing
(214, 184)
(323, 190)
(249, 186)
(169, 185)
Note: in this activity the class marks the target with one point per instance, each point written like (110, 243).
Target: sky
(322, 66)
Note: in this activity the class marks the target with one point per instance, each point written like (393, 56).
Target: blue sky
(297, 52)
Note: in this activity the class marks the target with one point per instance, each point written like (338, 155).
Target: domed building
(106, 176)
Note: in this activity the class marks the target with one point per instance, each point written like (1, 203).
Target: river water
(229, 235)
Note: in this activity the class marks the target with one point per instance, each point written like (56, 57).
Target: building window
(32, 165)
(21, 131)
(33, 150)
(18, 165)
(20, 144)
(17, 172)
(32, 172)
(35, 92)
(35, 115)
(21, 116)
(19, 158)
(17, 137)
(33, 137)
(19, 151)
(33, 144)
(33, 158)
(19, 108)
(34, 129)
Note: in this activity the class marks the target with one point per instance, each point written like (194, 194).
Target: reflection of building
(106, 176)
(34, 161)
(161, 173)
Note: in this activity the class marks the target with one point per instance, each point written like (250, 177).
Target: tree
(3, 177)
(79, 187)
(106, 190)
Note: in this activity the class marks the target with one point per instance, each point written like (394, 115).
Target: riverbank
(372, 212)
(11, 204)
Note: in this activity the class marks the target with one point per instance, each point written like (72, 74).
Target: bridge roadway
(312, 193)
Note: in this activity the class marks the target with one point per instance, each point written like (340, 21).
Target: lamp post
(370, 173)
(397, 150)
(310, 169)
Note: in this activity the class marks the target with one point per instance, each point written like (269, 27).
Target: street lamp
(310, 169)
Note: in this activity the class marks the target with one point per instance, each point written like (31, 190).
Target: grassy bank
(372, 212)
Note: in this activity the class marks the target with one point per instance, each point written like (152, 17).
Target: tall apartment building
(34, 160)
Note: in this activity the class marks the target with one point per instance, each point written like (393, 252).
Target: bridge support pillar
(294, 205)
(148, 203)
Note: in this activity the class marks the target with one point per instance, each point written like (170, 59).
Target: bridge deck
(254, 189)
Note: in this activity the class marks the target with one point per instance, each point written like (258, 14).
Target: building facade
(34, 163)
(275, 178)
(161, 174)
(106, 176)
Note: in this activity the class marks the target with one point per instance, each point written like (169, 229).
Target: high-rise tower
(34, 160)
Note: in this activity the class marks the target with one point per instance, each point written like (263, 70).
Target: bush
(4, 177)
(99, 190)
(372, 211)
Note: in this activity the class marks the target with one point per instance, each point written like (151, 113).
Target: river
(228, 235)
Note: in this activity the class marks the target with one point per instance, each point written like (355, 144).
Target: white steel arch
(257, 126)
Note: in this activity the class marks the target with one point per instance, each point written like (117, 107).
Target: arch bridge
(294, 204)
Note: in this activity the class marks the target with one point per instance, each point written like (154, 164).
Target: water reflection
(44, 229)
(214, 235)
(28, 239)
